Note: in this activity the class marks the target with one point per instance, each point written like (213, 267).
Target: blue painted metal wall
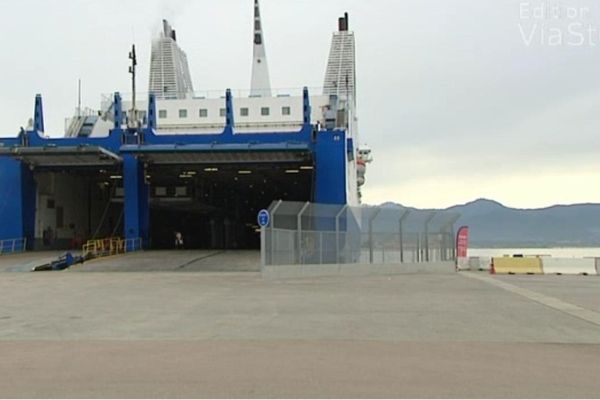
(17, 200)
(330, 185)
(136, 197)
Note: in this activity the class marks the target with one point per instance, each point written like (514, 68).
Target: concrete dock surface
(24, 262)
(164, 333)
(177, 261)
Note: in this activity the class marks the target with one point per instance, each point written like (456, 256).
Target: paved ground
(586, 295)
(177, 260)
(172, 334)
(24, 262)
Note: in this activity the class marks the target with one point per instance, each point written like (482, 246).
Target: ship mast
(261, 83)
(132, 67)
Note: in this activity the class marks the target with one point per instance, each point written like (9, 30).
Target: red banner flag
(462, 242)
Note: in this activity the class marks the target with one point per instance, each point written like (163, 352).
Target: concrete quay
(166, 332)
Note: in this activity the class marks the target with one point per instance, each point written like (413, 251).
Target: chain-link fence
(309, 233)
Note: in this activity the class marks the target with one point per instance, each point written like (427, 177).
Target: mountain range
(492, 224)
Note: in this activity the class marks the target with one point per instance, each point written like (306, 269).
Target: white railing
(8, 246)
(215, 94)
(133, 244)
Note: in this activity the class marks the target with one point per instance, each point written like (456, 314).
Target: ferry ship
(148, 165)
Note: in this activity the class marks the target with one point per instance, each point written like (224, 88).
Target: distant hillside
(494, 225)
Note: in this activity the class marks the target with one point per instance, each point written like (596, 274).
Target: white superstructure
(169, 71)
(206, 113)
(340, 76)
(340, 83)
(261, 83)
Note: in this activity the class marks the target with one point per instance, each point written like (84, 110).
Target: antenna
(79, 98)
(133, 59)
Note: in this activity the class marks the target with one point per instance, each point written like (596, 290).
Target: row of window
(244, 112)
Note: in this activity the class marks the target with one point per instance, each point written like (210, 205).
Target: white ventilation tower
(261, 84)
(169, 71)
(340, 77)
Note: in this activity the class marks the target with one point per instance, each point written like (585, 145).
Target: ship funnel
(340, 76)
(343, 23)
(260, 85)
(168, 30)
(169, 69)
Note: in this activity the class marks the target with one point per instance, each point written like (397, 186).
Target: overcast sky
(459, 99)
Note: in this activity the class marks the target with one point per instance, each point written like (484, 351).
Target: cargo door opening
(74, 205)
(215, 206)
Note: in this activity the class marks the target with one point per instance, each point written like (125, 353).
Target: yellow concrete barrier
(517, 265)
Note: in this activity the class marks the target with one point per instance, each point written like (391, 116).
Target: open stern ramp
(68, 156)
(175, 154)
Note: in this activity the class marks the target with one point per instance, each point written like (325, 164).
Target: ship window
(244, 112)
(265, 111)
(257, 25)
(162, 113)
(258, 38)
(182, 113)
(203, 113)
(222, 112)
(286, 111)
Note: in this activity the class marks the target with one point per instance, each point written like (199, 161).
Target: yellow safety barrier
(517, 265)
(104, 247)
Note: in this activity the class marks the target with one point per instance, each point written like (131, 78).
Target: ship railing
(132, 244)
(244, 125)
(111, 246)
(215, 94)
(275, 124)
(8, 246)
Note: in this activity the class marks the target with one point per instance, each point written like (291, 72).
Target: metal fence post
(263, 247)
(271, 229)
(454, 255)
(450, 236)
(403, 216)
(337, 233)
(427, 235)
(299, 232)
(320, 248)
(375, 214)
